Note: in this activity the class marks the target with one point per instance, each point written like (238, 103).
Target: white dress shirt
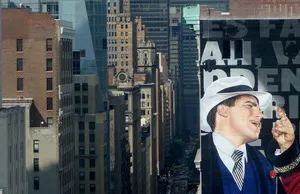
(225, 150)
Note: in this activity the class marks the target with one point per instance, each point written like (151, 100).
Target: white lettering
(264, 82)
(265, 28)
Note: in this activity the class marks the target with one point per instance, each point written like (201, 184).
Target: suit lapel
(211, 174)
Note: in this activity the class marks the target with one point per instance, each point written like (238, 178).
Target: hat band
(239, 88)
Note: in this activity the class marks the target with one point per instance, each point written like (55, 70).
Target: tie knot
(237, 155)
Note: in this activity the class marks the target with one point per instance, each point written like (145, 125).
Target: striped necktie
(237, 172)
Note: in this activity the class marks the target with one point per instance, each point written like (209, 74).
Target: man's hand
(283, 131)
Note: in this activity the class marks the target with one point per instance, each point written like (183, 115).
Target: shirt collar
(226, 147)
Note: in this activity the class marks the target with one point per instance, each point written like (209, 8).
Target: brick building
(37, 61)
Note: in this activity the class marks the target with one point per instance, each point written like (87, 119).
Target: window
(19, 45)
(238, 49)
(81, 137)
(81, 188)
(49, 103)
(85, 110)
(81, 176)
(92, 188)
(81, 125)
(48, 44)
(226, 49)
(84, 87)
(81, 150)
(19, 84)
(49, 120)
(36, 165)
(85, 99)
(78, 110)
(104, 43)
(77, 87)
(92, 150)
(36, 146)
(49, 84)
(19, 64)
(92, 137)
(92, 163)
(49, 64)
(92, 176)
(77, 99)
(36, 183)
(81, 163)
(92, 125)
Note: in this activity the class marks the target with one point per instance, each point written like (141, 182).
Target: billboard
(264, 51)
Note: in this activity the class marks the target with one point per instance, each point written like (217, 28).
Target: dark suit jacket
(211, 174)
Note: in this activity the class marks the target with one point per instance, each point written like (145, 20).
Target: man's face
(245, 118)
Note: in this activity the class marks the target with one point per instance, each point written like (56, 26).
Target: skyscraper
(154, 15)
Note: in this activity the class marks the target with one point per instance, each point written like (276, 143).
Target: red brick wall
(34, 29)
(257, 9)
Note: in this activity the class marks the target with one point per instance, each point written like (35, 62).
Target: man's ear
(222, 110)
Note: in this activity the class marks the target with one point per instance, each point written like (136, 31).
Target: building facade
(90, 138)
(132, 126)
(51, 114)
(89, 21)
(13, 177)
(154, 15)
(119, 147)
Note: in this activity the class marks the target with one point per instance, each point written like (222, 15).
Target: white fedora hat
(225, 88)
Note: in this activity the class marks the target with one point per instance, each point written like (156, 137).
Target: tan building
(132, 95)
(47, 79)
(122, 36)
(90, 138)
(121, 47)
(149, 116)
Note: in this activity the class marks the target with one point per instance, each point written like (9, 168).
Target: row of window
(84, 100)
(91, 150)
(116, 48)
(82, 176)
(92, 163)
(115, 56)
(108, 4)
(82, 188)
(81, 125)
(81, 110)
(115, 33)
(82, 137)
(20, 64)
(78, 87)
(114, 26)
(19, 45)
(20, 84)
(114, 41)
(118, 19)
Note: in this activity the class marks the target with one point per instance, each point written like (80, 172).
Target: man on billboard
(231, 114)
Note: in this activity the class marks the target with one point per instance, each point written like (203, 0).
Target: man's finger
(275, 132)
(281, 112)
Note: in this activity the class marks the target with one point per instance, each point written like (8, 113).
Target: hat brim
(208, 103)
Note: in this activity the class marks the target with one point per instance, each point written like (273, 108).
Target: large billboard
(264, 51)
